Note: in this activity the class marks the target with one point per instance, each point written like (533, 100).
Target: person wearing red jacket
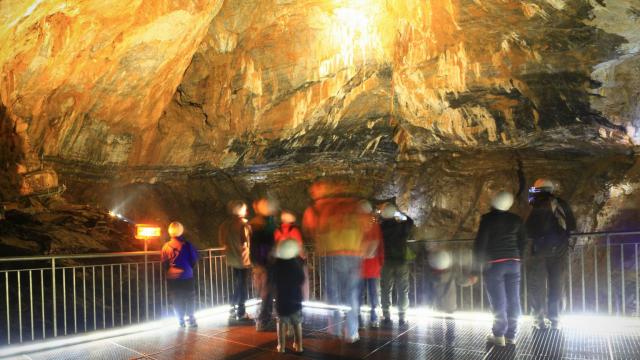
(371, 268)
(289, 230)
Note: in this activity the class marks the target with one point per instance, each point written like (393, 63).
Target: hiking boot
(509, 341)
(353, 339)
(192, 322)
(540, 324)
(496, 340)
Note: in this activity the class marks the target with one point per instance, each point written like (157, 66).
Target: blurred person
(444, 278)
(371, 268)
(234, 234)
(499, 246)
(396, 228)
(288, 274)
(337, 226)
(263, 226)
(549, 226)
(178, 259)
(288, 230)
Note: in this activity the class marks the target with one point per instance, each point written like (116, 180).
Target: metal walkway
(426, 337)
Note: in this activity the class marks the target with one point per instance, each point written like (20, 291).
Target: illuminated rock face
(190, 82)
(120, 96)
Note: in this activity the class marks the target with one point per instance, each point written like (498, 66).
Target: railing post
(53, 289)
(570, 281)
(637, 285)
(6, 288)
(623, 295)
(595, 275)
(525, 287)
(584, 294)
(146, 285)
(609, 297)
(211, 277)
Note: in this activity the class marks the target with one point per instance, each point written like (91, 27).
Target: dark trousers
(182, 294)
(371, 288)
(262, 284)
(503, 288)
(394, 276)
(546, 276)
(240, 278)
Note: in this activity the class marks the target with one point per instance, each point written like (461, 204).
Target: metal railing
(602, 274)
(48, 296)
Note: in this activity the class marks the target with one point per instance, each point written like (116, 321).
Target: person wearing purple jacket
(179, 258)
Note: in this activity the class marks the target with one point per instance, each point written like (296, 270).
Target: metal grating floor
(426, 337)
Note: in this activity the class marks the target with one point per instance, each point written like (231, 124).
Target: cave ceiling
(244, 82)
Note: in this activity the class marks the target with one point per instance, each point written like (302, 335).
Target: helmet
(237, 207)
(502, 201)
(287, 249)
(175, 229)
(264, 206)
(544, 185)
(287, 217)
(440, 260)
(388, 211)
(365, 207)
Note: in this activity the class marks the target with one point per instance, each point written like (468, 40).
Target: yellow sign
(144, 231)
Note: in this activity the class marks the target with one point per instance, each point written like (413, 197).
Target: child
(288, 278)
(289, 230)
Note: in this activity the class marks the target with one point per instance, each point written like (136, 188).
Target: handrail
(91, 256)
(573, 235)
(142, 253)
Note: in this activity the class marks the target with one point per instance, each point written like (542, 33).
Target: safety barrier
(50, 296)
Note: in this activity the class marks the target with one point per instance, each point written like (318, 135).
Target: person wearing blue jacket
(179, 257)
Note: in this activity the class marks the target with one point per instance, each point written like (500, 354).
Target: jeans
(342, 281)
(395, 276)
(546, 299)
(239, 290)
(262, 285)
(182, 294)
(371, 287)
(503, 288)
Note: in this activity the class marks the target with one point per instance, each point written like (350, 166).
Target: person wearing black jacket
(499, 246)
(549, 225)
(396, 229)
(263, 226)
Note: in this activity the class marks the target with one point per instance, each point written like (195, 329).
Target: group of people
(363, 253)
(504, 240)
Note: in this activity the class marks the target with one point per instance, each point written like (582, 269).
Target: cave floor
(425, 337)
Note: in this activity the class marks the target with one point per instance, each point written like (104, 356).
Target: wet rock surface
(166, 110)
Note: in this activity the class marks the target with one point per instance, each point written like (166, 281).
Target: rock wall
(168, 109)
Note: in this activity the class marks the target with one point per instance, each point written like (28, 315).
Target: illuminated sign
(144, 231)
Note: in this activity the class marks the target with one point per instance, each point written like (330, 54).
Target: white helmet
(175, 229)
(388, 211)
(502, 201)
(440, 260)
(544, 185)
(365, 207)
(287, 249)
